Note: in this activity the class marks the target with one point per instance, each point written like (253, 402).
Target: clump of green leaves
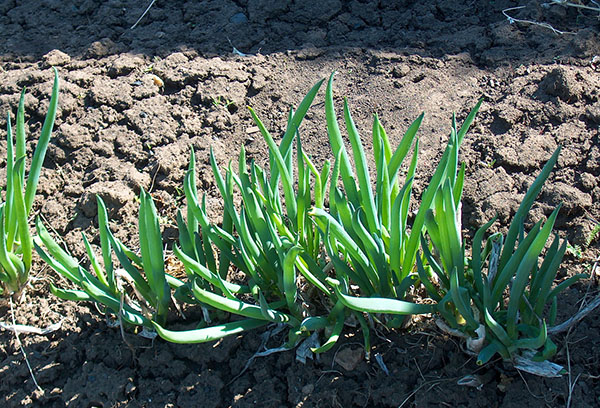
(15, 238)
(359, 256)
(139, 292)
(282, 232)
(505, 310)
(592, 235)
(366, 231)
(268, 237)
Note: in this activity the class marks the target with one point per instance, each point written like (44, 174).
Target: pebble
(238, 18)
(102, 48)
(308, 389)
(252, 129)
(400, 70)
(349, 358)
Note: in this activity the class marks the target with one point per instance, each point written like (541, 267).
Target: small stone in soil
(308, 389)
(349, 358)
(238, 18)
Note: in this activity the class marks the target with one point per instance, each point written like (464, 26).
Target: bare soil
(117, 130)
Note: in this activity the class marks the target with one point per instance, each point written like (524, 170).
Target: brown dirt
(118, 131)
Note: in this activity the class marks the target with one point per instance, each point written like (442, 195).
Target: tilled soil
(134, 101)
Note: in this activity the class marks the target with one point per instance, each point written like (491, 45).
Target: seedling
(15, 238)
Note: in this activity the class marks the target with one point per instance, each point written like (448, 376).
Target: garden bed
(119, 129)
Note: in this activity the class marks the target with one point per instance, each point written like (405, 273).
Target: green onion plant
(283, 232)
(317, 247)
(139, 292)
(508, 309)
(367, 232)
(268, 236)
(15, 237)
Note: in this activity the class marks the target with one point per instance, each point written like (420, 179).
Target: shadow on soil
(434, 28)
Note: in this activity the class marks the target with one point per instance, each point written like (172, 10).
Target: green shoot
(15, 238)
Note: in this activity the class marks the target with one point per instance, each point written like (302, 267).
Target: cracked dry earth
(118, 130)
